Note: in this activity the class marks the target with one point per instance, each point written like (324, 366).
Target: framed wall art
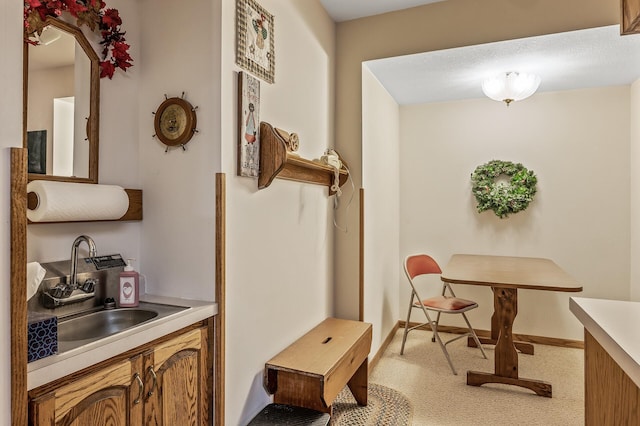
(37, 151)
(248, 125)
(255, 42)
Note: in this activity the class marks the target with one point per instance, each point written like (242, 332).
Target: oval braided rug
(385, 407)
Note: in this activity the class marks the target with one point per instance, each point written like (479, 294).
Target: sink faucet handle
(58, 291)
(61, 291)
(89, 285)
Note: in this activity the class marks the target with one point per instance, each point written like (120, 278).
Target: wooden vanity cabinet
(178, 368)
(166, 382)
(100, 397)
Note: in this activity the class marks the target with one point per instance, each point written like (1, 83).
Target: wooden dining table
(505, 275)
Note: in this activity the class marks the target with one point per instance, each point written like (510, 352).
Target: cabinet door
(101, 398)
(176, 376)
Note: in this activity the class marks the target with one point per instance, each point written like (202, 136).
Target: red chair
(422, 264)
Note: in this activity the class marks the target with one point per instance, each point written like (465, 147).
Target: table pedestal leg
(525, 348)
(505, 304)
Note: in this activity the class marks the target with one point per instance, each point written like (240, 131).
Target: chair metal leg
(406, 323)
(434, 325)
(433, 337)
(475, 336)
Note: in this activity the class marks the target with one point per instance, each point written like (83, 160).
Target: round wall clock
(175, 122)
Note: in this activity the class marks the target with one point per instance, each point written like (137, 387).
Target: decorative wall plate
(175, 122)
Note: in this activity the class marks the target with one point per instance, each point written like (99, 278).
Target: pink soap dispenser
(129, 286)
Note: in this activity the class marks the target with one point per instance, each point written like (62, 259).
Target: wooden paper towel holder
(134, 212)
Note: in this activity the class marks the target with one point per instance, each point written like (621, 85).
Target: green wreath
(503, 198)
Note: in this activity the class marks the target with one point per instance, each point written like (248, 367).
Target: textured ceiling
(572, 60)
(344, 10)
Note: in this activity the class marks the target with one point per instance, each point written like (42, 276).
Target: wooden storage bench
(315, 368)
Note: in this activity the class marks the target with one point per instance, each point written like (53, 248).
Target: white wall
(179, 54)
(279, 239)
(381, 182)
(634, 159)
(577, 143)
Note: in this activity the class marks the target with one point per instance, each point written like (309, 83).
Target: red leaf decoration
(111, 18)
(107, 69)
(115, 52)
(74, 7)
(120, 50)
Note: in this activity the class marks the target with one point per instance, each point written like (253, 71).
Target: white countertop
(54, 367)
(615, 324)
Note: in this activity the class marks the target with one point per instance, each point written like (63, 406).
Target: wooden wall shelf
(277, 162)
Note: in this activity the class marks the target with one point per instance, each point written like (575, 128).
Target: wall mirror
(61, 105)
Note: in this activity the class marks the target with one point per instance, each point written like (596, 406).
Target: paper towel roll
(67, 201)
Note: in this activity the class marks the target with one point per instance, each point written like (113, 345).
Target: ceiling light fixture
(49, 35)
(511, 86)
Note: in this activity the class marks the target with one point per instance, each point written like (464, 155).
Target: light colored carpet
(385, 406)
(440, 398)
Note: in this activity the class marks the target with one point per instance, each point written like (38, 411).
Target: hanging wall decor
(504, 198)
(248, 125)
(255, 50)
(93, 14)
(175, 122)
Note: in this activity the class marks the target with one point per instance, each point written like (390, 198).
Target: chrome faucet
(67, 293)
(73, 279)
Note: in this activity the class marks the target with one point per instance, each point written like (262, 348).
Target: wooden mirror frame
(93, 121)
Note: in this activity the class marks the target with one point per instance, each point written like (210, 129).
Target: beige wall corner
(441, 25)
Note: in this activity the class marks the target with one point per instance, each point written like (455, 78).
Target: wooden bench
(313, 370)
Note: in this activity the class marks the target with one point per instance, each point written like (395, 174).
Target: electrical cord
(338, 192)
